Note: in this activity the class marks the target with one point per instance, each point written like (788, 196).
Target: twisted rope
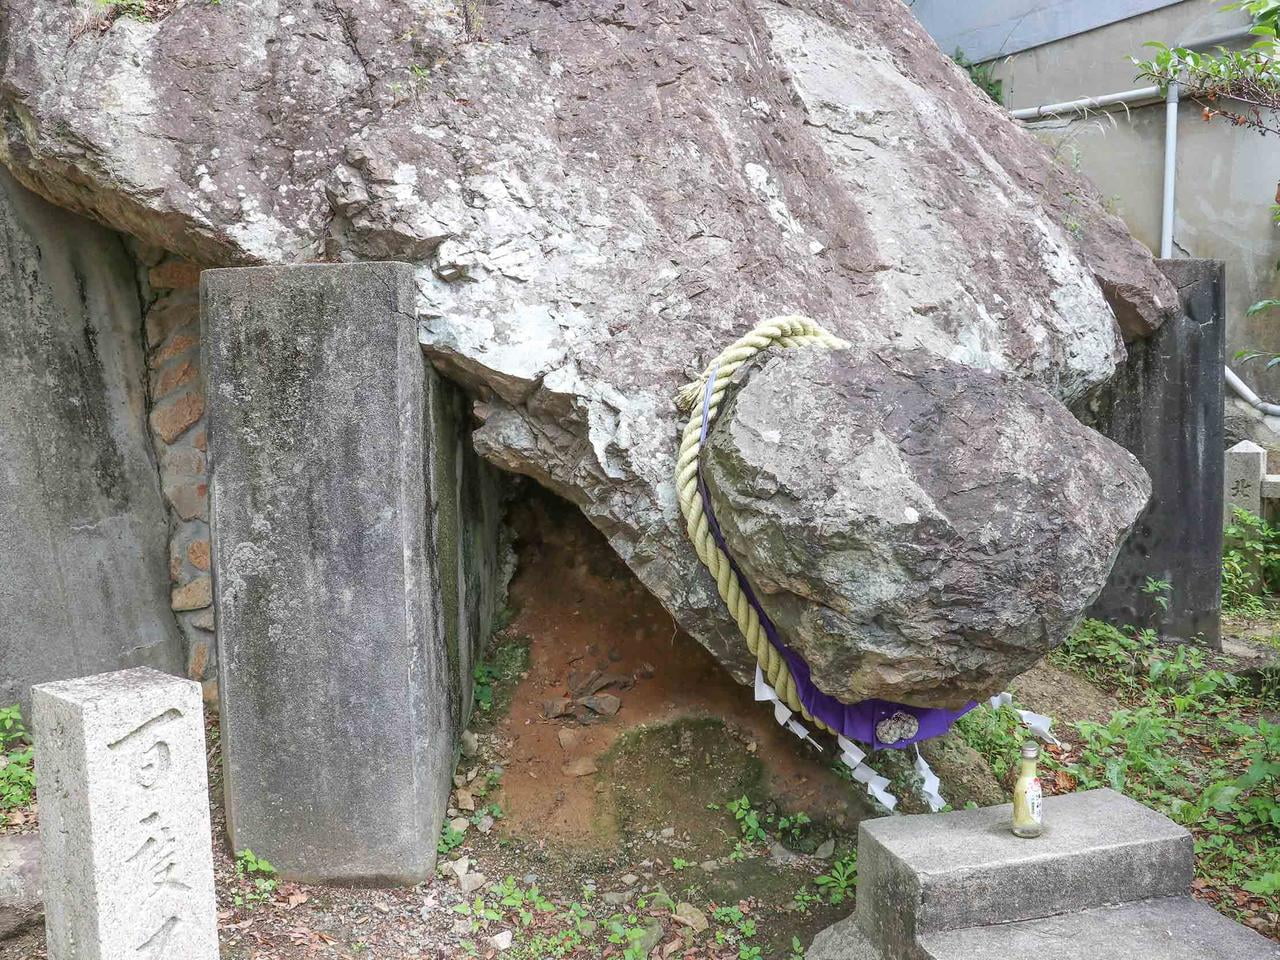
(790, 331)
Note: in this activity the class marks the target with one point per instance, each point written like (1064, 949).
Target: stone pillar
(124, 818)
(337, 696)
(1245, 469)
(1164, 406)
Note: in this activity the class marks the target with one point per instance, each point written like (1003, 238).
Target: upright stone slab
(124, 818)
(338, 701)
(1165, 407)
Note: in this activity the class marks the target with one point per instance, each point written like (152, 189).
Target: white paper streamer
(929, 783)
(1037, 723)
(781, 712)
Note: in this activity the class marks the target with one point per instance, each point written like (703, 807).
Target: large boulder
(920, 531)
(598, 197)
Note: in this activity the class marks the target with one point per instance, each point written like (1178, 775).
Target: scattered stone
(582, 767)
(690, 916)
(781, 856)
(668, 833)
(501, 941)
(460, 824)
(605, 704)
(557, 707)
(646, 671)
(568, 738)
(652, 937)
(459, 867)
(615, 898)
(469, 743)
(124, 817)
(471, 882)
(21, 905)
(587, 927)
(486, 824)
(630, 879)
(709, 866)
(465, 800)
(826, 850)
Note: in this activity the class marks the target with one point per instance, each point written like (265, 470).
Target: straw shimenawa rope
(791, 331)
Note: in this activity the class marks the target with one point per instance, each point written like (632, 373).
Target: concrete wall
(985, 29)
(1226, 177)
(84, 584)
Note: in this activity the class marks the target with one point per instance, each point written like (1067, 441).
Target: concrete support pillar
(340, 712)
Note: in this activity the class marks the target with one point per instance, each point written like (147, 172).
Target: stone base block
(918, 875)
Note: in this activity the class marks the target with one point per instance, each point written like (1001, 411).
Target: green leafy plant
(17, 760)
(257, 878)
(450, 839)
(748, 820)
(840, 881)
(982, 76)
(1240, 86)
(1250, 563)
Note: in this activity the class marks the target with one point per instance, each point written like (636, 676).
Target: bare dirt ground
(618, 819)
(591, 817)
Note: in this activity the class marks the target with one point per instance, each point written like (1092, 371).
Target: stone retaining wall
(177, 422)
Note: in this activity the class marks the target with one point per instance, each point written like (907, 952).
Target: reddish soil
(584, 611)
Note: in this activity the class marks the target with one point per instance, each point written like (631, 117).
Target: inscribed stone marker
(1246, 464)
(124, 818)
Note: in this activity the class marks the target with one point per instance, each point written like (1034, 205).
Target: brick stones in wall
(177, 420)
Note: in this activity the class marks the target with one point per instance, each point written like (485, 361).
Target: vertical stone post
(124, 818)
(337, 697)
(1245, 468)
(1164, 406)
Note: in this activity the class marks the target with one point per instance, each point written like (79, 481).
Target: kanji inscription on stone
(124, 818)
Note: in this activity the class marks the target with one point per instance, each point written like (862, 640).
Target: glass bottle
(1027, 821)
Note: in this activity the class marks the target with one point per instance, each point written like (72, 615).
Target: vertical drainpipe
(1170, 168)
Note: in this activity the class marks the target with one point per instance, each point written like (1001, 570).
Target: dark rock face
(919, 530)
(598, 197)
(83, 528)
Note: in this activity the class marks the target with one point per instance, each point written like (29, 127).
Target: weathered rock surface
(599, 196)
(84, 582)
(919, 530)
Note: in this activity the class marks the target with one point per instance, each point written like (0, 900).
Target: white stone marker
(124, 818)
(1246, 465)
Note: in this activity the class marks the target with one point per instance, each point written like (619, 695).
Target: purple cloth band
(857, 721)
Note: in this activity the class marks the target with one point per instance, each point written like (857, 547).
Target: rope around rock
(790, 331)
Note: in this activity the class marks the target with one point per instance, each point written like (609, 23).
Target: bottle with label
(1027, 795)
